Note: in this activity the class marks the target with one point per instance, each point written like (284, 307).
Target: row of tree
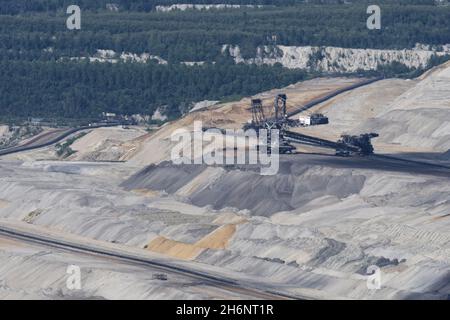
(85, 90)
(21, 6)
(37, 77)
(199, 36)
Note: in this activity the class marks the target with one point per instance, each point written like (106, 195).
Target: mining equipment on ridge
(314, 119)
(346, 146)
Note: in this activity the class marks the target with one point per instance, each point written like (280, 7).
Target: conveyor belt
(315, 102)
(309, 140)
(63, 135)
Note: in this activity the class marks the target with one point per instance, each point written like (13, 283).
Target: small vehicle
(159, 276)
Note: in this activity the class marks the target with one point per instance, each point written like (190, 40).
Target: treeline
(22, 6)
(38, 79)
(399, 70)
(84, 90)
(199, 35)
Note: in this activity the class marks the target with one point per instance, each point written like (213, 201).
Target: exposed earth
(311, 230)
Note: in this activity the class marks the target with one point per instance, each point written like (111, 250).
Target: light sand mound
(106, 144)
(229, 218)
(175, 249)
(148, 193)
(411, 116)
(3, 130)
(347, 111)
(218, 239)
(420, 118)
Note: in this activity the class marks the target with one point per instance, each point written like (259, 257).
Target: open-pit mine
(139, 226)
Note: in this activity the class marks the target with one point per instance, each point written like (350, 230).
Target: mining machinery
(346, 146)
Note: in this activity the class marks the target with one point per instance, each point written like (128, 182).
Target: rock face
(110, 56)
(159, 115)
(184, 7)
(333, 59)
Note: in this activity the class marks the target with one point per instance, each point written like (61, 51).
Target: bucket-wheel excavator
(346, 146)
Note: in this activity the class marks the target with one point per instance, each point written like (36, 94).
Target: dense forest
(198, 35)
(20, 6)
(38, 78)
(84, 90)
